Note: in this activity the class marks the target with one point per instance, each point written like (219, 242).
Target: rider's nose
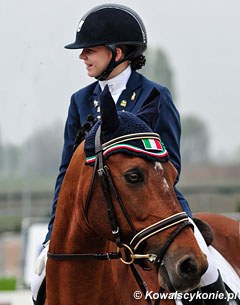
(82, 55)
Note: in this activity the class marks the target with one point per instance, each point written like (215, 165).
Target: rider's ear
(119, 54)
(109, 114)
(149, 108)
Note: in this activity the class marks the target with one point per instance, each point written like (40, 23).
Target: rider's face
(96, 59)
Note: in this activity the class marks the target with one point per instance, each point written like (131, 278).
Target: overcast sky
(38, 76)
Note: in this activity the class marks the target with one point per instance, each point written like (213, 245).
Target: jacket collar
(128, 98)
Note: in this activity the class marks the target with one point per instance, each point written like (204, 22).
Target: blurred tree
(158, 68)
(11, 159)
(195, 140)
(10, 156)
(236, 156)
(43, 150)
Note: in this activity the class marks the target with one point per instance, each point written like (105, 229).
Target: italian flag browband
(154, 144)
(151, 145)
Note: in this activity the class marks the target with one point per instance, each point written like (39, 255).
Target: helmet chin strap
(113, 63)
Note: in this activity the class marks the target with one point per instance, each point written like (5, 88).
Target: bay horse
(119, 230)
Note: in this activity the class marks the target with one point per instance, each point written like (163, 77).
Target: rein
(109, 190)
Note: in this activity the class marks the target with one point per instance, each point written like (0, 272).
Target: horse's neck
(83, 279)
(70, 235)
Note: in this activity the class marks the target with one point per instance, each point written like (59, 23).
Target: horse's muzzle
(184, 275)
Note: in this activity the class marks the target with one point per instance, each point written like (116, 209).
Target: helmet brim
(77, 45)
(74, 45)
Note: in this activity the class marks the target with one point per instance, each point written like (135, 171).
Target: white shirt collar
(117, 84)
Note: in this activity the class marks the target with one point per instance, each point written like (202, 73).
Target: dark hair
(135, 62)
(138, 62)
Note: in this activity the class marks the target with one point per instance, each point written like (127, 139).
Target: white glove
(41, 261)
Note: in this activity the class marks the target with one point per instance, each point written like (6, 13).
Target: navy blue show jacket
(166, 124)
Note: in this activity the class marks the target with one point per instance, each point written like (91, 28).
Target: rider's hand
(41, 261)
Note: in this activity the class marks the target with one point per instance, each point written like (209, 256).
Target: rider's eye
(134, 176)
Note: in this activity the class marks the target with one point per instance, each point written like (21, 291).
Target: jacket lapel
(128, 99)
(94, 101)
(136, 92)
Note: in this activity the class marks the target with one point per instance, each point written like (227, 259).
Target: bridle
(139, 238)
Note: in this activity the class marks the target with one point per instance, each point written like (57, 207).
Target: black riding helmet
(111, 25)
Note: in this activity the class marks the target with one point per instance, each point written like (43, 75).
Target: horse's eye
(134, 176)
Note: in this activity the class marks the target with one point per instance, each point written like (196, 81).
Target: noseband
(108, 189)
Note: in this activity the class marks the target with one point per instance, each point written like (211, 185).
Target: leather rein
(109, 191)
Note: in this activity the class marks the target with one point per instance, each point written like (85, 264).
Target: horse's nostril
(188, 266)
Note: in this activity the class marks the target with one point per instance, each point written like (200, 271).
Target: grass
(7, 284)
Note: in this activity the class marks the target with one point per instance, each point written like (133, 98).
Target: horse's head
(135, 204)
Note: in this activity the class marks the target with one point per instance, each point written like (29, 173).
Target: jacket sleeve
(168, 126)
(71, 128)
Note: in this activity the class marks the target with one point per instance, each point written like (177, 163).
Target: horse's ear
(109, 114)
(149, 108)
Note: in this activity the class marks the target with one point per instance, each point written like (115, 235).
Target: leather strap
(77, 256)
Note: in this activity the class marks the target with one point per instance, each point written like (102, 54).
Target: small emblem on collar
(133, 96)
(95, 102)
(123, 103)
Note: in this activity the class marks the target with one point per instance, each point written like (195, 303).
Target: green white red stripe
(161, 153)
(152, 144)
